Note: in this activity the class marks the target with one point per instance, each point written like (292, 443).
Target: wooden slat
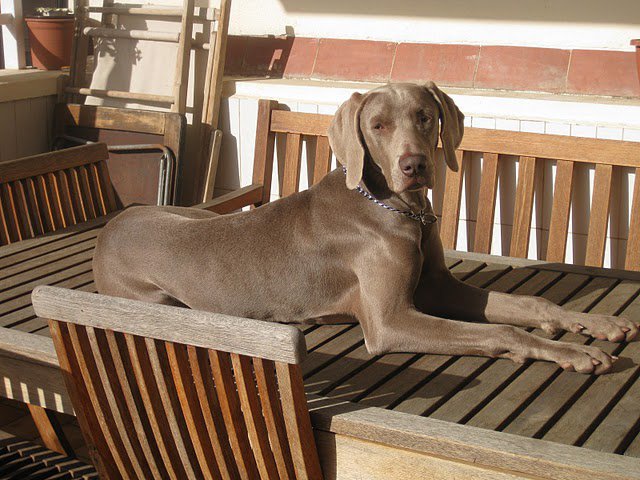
(85, 191)
(153, 406)
(52, 161)
(523, 208)
(104, 463)
(119, 373)
(559, 226)
(486, 203)
(451, 204)
(66, 203)
(212, 414)
(44, 200)
(265, 143)
(109, 118)
(232, 414)
(229, 202)
(181, 76)
(599, 218)
(81, 211)
(322, 163)
(22, 209)
(291, 175)
(300, 123)
(297, 421)
(104, 181)
(559, 147)
(11, 213)
(34, 206)
(632, 260)
(143, 97)
(100, 408)
(209, 330)
(265, 374)
(187, 395)
(53, 192)
(5, 237)
(256, 426)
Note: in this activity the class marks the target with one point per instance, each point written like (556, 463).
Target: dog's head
(396, 126)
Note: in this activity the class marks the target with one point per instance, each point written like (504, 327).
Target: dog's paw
(584, 359)
(604, 327)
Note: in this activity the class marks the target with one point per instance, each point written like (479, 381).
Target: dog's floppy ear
(451, 124)
(345, 138)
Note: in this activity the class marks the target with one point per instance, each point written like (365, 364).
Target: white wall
(569, 117)
(590, 24)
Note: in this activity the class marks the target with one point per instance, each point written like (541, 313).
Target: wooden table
(395, 410)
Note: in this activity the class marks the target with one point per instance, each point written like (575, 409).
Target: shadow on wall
(585, 11)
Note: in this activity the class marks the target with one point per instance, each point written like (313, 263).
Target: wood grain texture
(322, 163)
(632, 260)
(523, 207)
(265, 143)
(180, 325)
(451, 204)
(291, 174)
(599, 218)
(486, 203)
(229, 202)
(110, 118)
(559, 226)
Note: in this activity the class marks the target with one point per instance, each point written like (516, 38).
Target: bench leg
(50, 430)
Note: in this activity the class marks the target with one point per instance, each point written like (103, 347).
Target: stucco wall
(591, 24)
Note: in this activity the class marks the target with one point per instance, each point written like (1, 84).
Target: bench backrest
(494, 146)
(166, 392)
(54, 190)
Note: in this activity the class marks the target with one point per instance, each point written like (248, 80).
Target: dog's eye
(423, 117)
(378, 126)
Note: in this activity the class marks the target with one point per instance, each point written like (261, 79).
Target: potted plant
(50, 37)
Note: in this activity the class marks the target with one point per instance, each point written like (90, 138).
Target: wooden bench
(354, 438)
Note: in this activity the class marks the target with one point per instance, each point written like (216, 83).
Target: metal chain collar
(426, 218)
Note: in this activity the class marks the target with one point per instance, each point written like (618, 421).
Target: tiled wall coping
(557, 71)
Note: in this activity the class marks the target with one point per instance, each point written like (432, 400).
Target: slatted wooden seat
(495, 145)
(51, 191)
(175, 393)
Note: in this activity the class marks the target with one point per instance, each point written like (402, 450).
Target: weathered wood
(599, 219)
(111, 118)
(181, 76)
(209, 330)
(143, 97)
(229, 202)
(632, 260)
(322, 163)
(265, 143)
(558, 229)
(291, 180)
(486, 203)
(451, 204)
(523, 207)
(131, 34)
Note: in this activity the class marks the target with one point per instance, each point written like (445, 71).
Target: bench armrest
(229, 202)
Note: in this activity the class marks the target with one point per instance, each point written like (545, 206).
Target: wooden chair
(495, 145)
(165, 392)
(47, 192)
(145, 147)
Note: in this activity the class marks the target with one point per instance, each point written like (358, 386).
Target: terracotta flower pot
(636, 42)
(50, 39)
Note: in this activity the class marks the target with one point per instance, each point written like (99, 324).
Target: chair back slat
(486, 203)
(560, 209)
(232, 413)
(451, 203)
(291, 176)
(599, 218)
(185, 389)
(256, 426)
(153, 406)
(54, 190)
(322, 163)
(211, 412)
(523, 207)
(632, 260)
(265, 372)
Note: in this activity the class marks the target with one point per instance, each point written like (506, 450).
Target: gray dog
(362, 245)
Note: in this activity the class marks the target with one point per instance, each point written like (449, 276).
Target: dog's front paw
(583, 359)
(605, 327)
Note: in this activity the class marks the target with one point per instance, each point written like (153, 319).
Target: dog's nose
(412, 165)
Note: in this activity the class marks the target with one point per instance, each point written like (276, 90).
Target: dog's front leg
(443, 294)
(413, 331)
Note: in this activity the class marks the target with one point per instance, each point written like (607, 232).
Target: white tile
(467, 121)
(555, 128)
(508, 124)
(631, 134)
(610, 133)
(532, 126)
(483, 122)
(583, 131)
